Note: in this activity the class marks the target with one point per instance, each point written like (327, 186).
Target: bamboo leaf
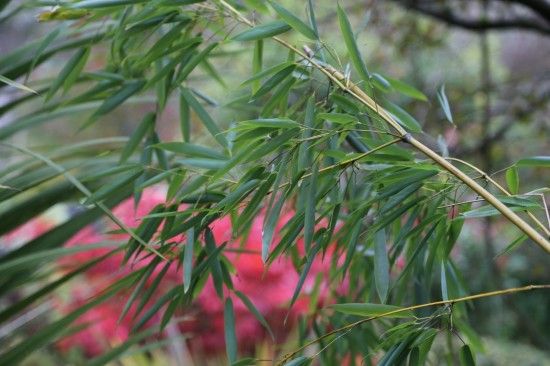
(263, 31)
(371, 310)
(95, 4)
(351, 45)
(190, 150)
(188, 259)
(16, 85)
(141, 131)
(257, 60)
(537, 161)
(299, 361)
(70, 72)
(309, 217)
(444, 291)
(116, 99)
(204, 117)
(406, 89)
(194, 61)
(512, 179)
(229, 330)
(269, 123)
(403, 117)
(259, 317)
(444, 103)
(274, 81)
(294, 21)
(381, 265)
(269, 71)
(466, 356)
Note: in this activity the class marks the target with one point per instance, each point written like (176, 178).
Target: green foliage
(359, 193)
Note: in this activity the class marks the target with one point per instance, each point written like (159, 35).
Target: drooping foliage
(324, 157)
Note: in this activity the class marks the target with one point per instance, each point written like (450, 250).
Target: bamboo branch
(508, 291)
(343, 83)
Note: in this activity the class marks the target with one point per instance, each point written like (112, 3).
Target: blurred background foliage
(493, 58)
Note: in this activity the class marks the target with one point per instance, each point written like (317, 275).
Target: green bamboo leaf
(381, 265)
(299, 361)
(406, 89)
(70, 72)
(371, 310)
(106, 190)
(204, 163)
(403, 117)
(33, 259)
(309, 217)
(414, 357)
(229, 330)
(259, 317)
(141, 131)
(116, 99)
(139, 288)
(16, 85)
(444, 103)
(263, 31)
(512, 179)
(204, 117)
(381, 83)
(161, 45)
(194, 61)
(188, 259)
(268, 123)
(514, 244)
(351, 45)
(214, 264)
(42, 47)
(274, 81)
(188, 149)
(294, 21)
(514, 203)
(269, 71)
(185, 120)
(444, 291)
(312, 21)
(539, 161)
(95, 4)
(466, 356)
(257, 60)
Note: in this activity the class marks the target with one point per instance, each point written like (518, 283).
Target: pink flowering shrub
(270, 289)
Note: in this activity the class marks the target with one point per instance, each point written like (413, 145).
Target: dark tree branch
(479, 24)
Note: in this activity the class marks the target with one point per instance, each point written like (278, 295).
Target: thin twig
(415, 307)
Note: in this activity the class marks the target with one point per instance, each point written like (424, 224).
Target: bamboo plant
(298, 134)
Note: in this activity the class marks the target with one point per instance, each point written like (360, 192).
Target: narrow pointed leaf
(204, 117)
(263, 31)
(229, 330)
(370, 310)
(381, 265)
(444, 103)
(16, 85)
(144, 127)
(512, 179)
(293, 21)
(351, 45)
